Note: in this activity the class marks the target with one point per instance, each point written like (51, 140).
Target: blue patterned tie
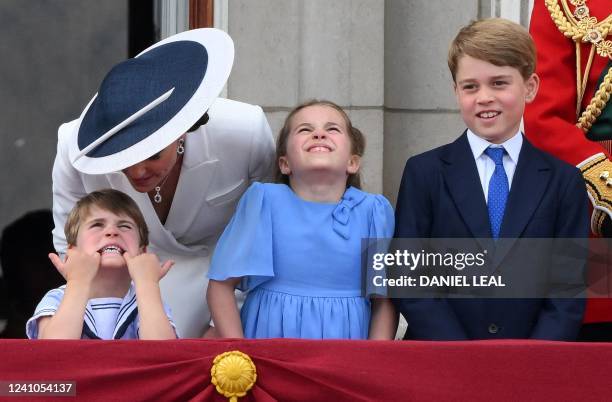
(498, 190)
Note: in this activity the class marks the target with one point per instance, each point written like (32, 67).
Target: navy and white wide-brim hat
(146, 103)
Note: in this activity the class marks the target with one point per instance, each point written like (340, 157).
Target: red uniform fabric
(300, 370)
(550, 121)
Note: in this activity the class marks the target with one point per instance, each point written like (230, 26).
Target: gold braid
(582, 31)
(567, 28)
(597, 104)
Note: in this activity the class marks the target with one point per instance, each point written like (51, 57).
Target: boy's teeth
(111, 249)
(488, 115)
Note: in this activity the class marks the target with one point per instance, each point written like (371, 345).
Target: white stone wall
(289, 51)
(383, 61)
(420, 108)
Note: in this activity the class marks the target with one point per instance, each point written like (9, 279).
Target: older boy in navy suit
(491, 182)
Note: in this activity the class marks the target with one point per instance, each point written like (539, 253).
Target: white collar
(512, 145)
(127, 314)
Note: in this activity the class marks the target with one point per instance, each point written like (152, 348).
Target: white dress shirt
(486, 166)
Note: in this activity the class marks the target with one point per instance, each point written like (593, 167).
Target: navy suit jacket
(441, 196)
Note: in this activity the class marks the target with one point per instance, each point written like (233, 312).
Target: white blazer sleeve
(263, 153)
(68, 186)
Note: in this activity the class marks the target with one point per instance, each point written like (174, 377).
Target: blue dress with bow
(301, 261)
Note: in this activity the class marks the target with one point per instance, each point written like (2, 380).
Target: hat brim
(220, 49)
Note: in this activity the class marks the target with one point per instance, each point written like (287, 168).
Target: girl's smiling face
(318, 141)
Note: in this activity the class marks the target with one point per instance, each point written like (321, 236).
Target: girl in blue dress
(296, 246)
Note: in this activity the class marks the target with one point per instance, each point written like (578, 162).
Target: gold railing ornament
(233, 374)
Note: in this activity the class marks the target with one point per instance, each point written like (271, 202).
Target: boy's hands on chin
(79, 267)
(146, 268)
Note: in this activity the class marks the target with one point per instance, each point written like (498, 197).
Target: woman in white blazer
(157, 131)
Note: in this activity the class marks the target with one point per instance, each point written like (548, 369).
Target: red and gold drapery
(299, 370)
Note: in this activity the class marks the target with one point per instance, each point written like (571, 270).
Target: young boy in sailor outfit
(112, 283)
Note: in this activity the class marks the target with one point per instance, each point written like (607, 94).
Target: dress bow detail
(341, 214)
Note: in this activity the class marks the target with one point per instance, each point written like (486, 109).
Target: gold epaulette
(581, 27)
(597, 173)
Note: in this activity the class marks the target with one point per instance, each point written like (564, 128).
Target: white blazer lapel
(197, 174)
(158, 234)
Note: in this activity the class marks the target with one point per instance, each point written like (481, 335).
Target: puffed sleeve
(46, 308)
(245, 247)
(382, 223)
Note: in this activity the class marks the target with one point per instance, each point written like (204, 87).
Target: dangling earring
(180, 149)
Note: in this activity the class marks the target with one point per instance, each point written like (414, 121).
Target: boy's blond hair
(109, 200)
(497, 41)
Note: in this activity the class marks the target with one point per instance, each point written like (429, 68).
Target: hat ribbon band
(123, 124)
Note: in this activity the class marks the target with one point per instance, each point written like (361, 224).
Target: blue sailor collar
(126, 316)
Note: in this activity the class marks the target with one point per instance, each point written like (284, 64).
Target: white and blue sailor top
(105, 318)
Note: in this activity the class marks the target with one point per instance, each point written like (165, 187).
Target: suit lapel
(197, 174)
(529, 183)
(463, 183)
